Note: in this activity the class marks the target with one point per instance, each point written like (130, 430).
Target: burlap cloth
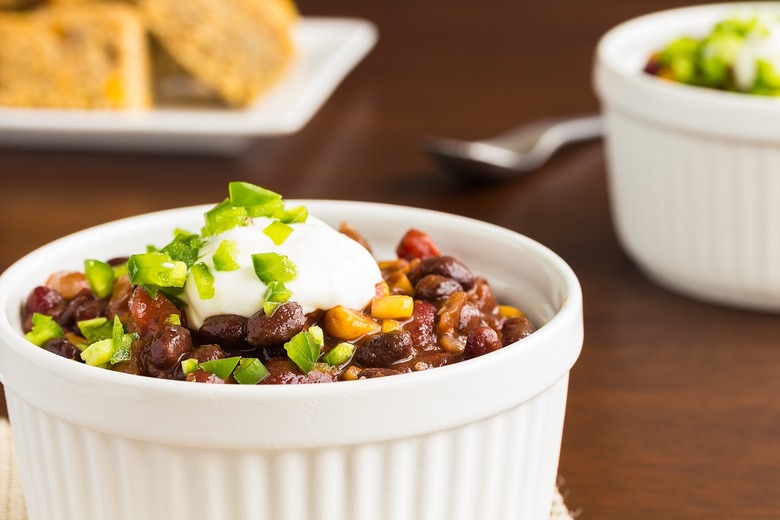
(12, 501)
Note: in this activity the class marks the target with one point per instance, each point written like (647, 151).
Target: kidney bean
(515, 329)
(449, 267)
(385, 349)
(68, 283)
(119, 260)
(421, 325)
(228, 330)
(43, 300)
(163, 351)
(469, 318)
(434, 287)
(481, 296)
(480, 341)
(286, 321)
(284, 372)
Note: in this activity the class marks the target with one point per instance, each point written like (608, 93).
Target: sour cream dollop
(332, 269)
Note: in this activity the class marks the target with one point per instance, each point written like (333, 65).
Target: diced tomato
(149, 315)
(416, 244)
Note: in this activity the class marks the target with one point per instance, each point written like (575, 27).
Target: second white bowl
(693, 172)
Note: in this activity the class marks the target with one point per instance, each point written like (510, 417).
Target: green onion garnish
(184, 247)
(221, 368)
(156, 270)
(339, 354)
(273, 267)
(275, 295)
(304, 348)
(95, 329)
(224, 216)
(44, 329)
(277, 232)
(189, 365)
(258, 202)
(225, 257)
(204, 280)
(250, 371)
(100, 276)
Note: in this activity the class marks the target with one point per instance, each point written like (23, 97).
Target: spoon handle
(555, 133)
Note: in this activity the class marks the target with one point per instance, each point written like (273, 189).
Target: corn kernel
(396, 306)
(348, 324)
(510, 312)
(388, 325)
(399, 283)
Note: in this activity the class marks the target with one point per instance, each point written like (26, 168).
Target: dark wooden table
(674, 407)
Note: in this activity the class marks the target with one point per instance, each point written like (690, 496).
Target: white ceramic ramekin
(694, 174)
(478, 439)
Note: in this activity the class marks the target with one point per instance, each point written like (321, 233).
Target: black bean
(63, 347)
(286, 321)
(385, 349)
(480, 341)
(515, 329)
(163, 351)
(371, 373)
(435, 287)
(228, 330)
(449, 267)
(206, 353)
(421, 326)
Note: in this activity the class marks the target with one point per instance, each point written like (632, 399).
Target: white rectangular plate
(327, 50)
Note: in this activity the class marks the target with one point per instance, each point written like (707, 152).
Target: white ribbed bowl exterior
(504, 471)
(479, 439)
(693, 174)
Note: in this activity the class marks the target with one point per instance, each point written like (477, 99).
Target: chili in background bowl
(477, 439)
(692, 171)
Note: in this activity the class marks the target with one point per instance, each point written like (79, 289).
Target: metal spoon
(515, 152)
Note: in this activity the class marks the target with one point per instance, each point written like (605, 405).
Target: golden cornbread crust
(81, 56)
(239, 48)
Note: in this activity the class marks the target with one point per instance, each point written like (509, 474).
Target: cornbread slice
(90, 55)
(17, 4)
(239, 48)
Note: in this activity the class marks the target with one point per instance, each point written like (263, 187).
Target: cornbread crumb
(79, 56)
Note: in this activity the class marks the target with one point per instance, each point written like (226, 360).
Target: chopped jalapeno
(273, 267)
(225, 257)
(250, 371)
(275, 295)
(223, 217)
(100, 276)
(204, 280)
(304, 348)
(44, 329)
(222, 368)
(189, 365)
(277, 232)
(339, 354)
(257, 201)
(156, 270)
(95, 329)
